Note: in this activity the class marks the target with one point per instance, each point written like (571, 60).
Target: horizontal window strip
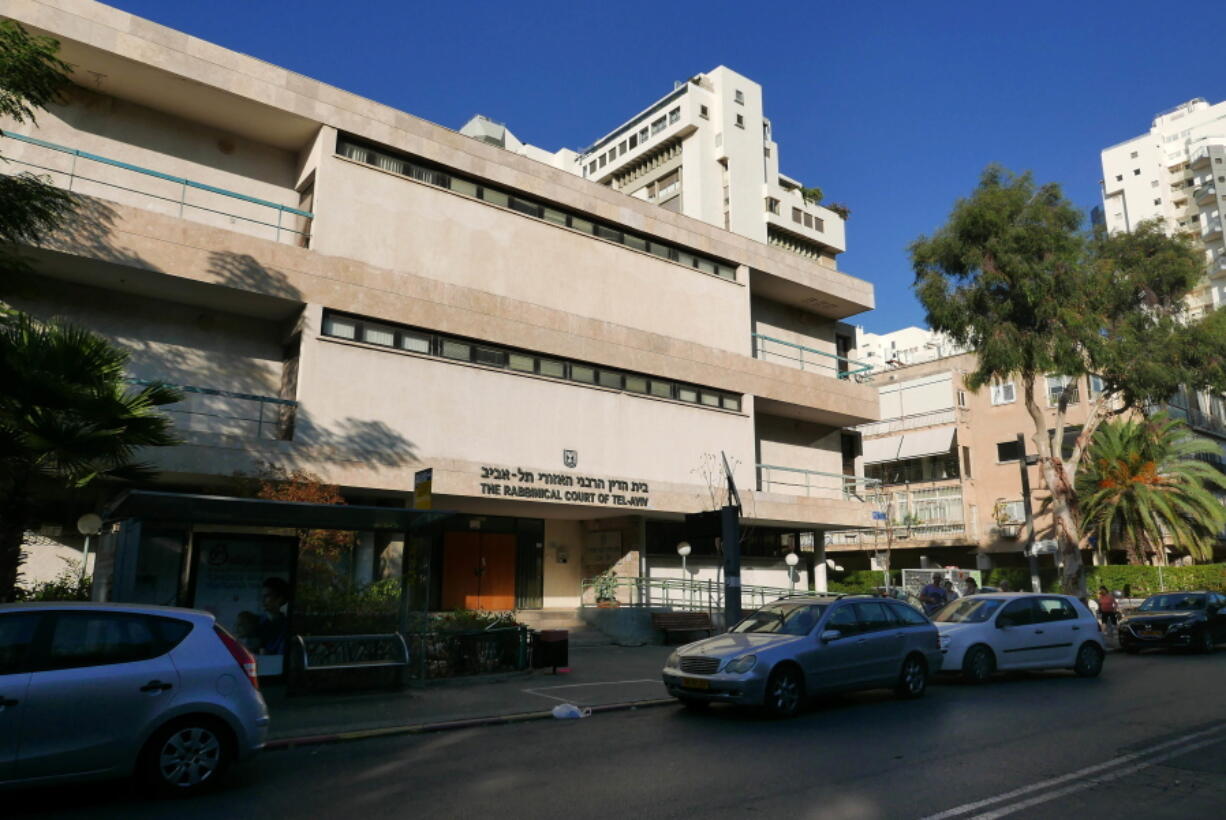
(445, 346)
(420, 171)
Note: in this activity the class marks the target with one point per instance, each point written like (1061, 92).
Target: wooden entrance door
(478, 571)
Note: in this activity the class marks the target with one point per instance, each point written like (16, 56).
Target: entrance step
(580, 633)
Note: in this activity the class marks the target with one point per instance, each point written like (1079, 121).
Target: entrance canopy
(934, 442)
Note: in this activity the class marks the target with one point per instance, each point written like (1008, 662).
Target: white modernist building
(898, 348)
(349, 290)
(1176, 172)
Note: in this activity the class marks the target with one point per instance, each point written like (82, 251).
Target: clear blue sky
(891, 107)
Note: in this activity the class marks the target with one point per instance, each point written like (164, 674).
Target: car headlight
(944, 641)
(741, 665)
(674, 660)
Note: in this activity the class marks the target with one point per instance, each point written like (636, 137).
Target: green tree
(1012, 277)
(31, 77)
(66, 414)
(1142, 486)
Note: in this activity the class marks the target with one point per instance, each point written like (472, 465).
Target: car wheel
(187, 756)
(913, 678)
(979, 664)
(1089, 661)
(695, 705)
(784, 692)
(1207, 644)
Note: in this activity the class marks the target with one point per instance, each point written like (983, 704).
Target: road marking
(1090, 772)
(538, 691)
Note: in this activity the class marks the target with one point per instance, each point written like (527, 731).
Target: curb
(281, 744)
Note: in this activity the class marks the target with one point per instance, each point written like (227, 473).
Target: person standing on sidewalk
(933, 595)
(1108, 610)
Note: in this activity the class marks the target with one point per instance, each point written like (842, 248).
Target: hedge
(1143, 580)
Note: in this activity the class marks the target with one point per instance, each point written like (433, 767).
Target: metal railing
(206, 410)
(1205, 192)
(795, 355)
(814, 483)
(177, 193)
(919, 532)
(897, 425)
(677, 593)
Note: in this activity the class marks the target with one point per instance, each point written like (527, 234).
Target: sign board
(878, 516)
(506, 482)
(423, 481)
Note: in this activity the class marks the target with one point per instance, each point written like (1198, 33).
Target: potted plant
(606, 589)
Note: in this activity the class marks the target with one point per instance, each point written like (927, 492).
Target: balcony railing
(86, 173)
(897, 425)
(1205, 192)
(902, 534)
(1212, 229)
(814, 484)
(222, 412)
(795, 355)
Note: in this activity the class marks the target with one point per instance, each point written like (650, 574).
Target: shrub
(1144, 580)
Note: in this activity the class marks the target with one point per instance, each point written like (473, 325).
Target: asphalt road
(1147, 739)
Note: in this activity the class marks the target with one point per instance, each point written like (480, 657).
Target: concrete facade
(1176, 173)
(354, 291)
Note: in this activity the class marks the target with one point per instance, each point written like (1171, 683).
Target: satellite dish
(89, 524)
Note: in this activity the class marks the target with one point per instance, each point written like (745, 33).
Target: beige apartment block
(947, 458)
(350, 290)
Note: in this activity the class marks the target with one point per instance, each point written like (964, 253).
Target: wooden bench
(339, 653)
(669, 622)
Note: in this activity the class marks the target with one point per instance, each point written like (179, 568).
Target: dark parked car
(1188, 620)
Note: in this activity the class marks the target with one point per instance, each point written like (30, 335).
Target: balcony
(898, 425)
(1205, 194)
(1200, 158)
(800, 357)
(1212, 230)
(93, 175)
(813, 483)
(1216, 267)
(903, 536)
(206, 412)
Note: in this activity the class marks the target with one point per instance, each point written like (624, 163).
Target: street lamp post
(683, 549)
(792, 560)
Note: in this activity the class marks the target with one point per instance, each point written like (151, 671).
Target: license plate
(1150, 633)
(695, 683)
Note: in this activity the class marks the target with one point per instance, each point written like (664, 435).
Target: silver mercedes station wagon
(798, 647)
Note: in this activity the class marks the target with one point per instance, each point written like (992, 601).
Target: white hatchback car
(1018, 630)
(105, 690)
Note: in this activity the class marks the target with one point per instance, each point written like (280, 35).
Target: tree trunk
(13, 515)
(1059, 483)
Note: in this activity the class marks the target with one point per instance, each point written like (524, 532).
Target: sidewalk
(600, 676)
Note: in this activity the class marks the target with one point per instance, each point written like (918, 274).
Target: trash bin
(551, 648)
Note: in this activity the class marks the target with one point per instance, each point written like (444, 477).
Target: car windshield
(1172, 603)
(970, 610)
(788, 619)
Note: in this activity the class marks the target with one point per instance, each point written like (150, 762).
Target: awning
(933, 442)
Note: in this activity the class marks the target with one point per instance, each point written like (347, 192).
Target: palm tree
(1144, 487)
(66, 414)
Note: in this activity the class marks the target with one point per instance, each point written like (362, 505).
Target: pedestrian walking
(932, 596)
(1108, 610)
(970, 588)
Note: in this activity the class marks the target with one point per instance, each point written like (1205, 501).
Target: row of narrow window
(415, 340)
(509, 199)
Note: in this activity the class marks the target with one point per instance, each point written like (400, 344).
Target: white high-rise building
(908, 345)
(1175, 172)
(704, 150)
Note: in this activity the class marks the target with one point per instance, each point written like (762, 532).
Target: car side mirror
(830, 635)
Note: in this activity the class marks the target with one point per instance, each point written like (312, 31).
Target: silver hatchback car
(802, 646)
(100, 690)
